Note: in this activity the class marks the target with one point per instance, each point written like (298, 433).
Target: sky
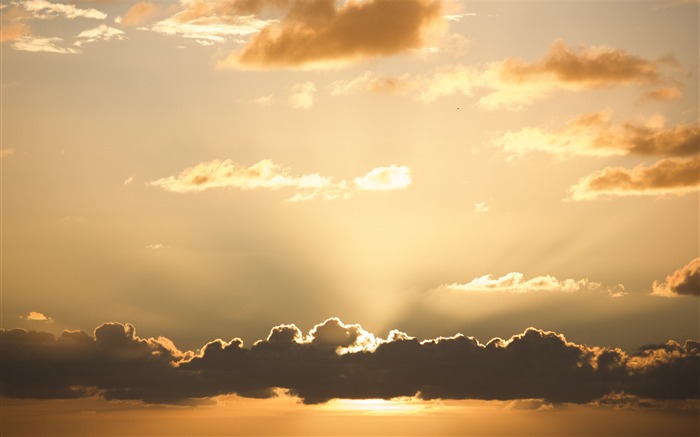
(360, 217)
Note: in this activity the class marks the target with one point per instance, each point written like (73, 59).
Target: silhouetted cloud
(515, 282)
(683, 282)
(670, 176)
(268, 175)
(335, 360)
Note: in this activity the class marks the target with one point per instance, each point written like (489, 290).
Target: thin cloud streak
(268, 175)
(340, 361)
(515, 282)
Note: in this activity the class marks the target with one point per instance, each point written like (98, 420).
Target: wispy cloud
(140, 14)
(302, 95)
(99, 33)
(268, 175)
(515, 282)
(514, 83)
(670, 176)
(335, 360)
(481, 207)
(683, 282)
(37, 44)
(45, 10)
(6, 152)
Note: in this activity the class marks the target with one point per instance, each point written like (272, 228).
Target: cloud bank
(268, 175)
(335, 360)
(683, 282)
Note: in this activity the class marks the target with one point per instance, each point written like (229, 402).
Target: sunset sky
(350, 184)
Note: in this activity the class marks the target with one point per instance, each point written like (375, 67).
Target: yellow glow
(378, 406)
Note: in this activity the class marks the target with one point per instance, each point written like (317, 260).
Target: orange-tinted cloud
(515, 282)
(139, 14)
(268, 175)
(683, 282)
(595, 135)
(323, 32)
(6, 153)
(662, 94)
(13, 23)
(35, 316)
(514, 83)
(340, 361)
(670, 176)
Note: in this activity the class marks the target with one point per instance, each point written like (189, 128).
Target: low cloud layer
(335, 360)
(515, 84)
(515, 282)
(683, 282)
(670, 176)
(268, 175)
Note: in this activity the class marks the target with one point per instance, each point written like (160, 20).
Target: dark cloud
(320, 31)
(336, 360)
(683, 282)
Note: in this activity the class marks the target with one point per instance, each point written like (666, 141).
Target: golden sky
(501, 194)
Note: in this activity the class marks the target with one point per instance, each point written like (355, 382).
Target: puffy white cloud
(393, 177)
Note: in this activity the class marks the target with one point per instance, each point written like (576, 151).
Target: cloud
(336, 360)
(662, 94)
(515, 282)
(34, 316)
(268, 175)
(99, 33)
(670, 176)
(6, 152)
(302, 95)
(595, 135)
(156, 246)
(140, 14)
(37, 44)
(683, 282)
(210, 22)
(13, 23)
(481, 207)
(515, 84)
(325, 32)
(393, 177)
(130, 179)
(45, 10)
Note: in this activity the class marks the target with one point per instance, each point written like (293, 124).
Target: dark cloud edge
(340, 361)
